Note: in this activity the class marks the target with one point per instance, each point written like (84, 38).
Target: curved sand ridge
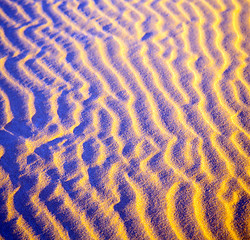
(124, 119)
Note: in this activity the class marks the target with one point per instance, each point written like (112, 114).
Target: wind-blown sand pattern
(125, 119)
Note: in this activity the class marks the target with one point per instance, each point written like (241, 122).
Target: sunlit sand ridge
(125, 119)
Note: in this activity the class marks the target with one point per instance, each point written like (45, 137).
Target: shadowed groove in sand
(124, 119)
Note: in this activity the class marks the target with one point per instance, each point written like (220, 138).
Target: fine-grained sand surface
(125, 119)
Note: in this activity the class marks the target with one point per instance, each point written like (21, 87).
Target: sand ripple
(124, 119)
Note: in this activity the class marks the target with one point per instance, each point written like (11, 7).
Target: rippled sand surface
(125, 119)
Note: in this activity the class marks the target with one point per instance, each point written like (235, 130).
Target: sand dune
(124, 119)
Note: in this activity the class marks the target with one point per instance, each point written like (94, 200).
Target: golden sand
(125, 119)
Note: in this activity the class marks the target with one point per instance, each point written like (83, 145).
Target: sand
(125, 119)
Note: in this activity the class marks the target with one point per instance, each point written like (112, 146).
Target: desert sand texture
(125, 119)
